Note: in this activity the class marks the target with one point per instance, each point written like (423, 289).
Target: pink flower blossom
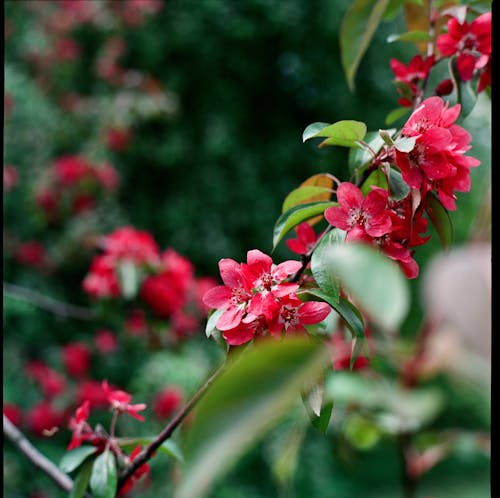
(167, 401)
(305, 241)
(120, 401)
(76, 359)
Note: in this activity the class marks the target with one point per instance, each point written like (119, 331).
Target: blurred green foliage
(208, 177)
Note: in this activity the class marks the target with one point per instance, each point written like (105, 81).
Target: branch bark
(47, 303)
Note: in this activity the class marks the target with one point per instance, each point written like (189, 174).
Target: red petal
(313, 312)
(217, 297)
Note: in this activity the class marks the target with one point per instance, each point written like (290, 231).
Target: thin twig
(18, 439)
(165, 434)
(48, 303)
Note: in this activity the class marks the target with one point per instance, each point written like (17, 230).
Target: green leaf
(169, 447)
(374, 281)
(359, 157)
(321, 270)
(396, 114)
(361, 432)
(103, 480)
(347, 311)
(358, 345)
(81, 480)
(376, 178)
(410, 36)
(129, 278)
(248, 399)
(405, 144)
(293, 217)
(211, 326)
(356, 31)
(318, 409)
(74, 458)
(440, 219)
(398, 187)
(312, 130)
(301, 194)
(465, 91)
(345, 133)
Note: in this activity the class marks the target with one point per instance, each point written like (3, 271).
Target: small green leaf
(398, 187)
(129, 277)
(386, 137)
(361, 432)
(359, 157)
(312, 130)
(345, 133)
(375, 282)
(396, 114)
(211, 326)
(322, 273)
(356, 31)
(170, 448)
(347, 311)
(410, 36)
(81, 480)
(318, 409)
(376, 178)
(244, 403)
(301, 194)
(358, 345)
(74, 458)
(293, 217)
(405, 144)
(103, 480)
(440, 219)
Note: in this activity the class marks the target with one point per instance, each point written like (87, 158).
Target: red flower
(305, 241)
(78, 424)
(106, 341)
(120, 401)
(129, 243)
(101, 280)
(167, 402)
(294, 314)
(341, 355)
(76, 359)
(42, 419)
(117, 139)
(31, 253)
(143, 469)
(418, 69)
(50, 381)
(71, 169)
(202, 285)
(471, 42)
(82, 203)
(48, 201)
(13, 413)
(136, 323)
(362, 218)
(107, 176)
(10, 177)
(91, 391)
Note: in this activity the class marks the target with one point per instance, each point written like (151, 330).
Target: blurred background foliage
(216, 96)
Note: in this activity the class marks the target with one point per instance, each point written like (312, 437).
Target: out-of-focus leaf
(103, 480)
(257, 390)
(440, 219)
(297, 215)
(168, 447)
(345, 133)
(465, 92)
(81, 481)
(304, 195)
(410, 37)
(375, 282)
(74, 458)
(359, 156)
(321, 270)
(417, 19)
(317, 407)
(396, 114)
(360, 432)
(129, 278)
(357, 29)
(393, 9)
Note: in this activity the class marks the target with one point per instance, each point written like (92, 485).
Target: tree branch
(165, 434)
(18, 439)
(47, 303)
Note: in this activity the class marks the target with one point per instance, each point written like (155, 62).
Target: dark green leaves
(345, 133)
(297, 215)
(74, 458)
(257, 390)
(103, 480)
(357, 29)
(375, 282)
(81, 481)
(440, 219)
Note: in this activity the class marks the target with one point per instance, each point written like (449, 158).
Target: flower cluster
(72, 185)
(257, 298)
(163, 281)
(469, 43)
(435, 163)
